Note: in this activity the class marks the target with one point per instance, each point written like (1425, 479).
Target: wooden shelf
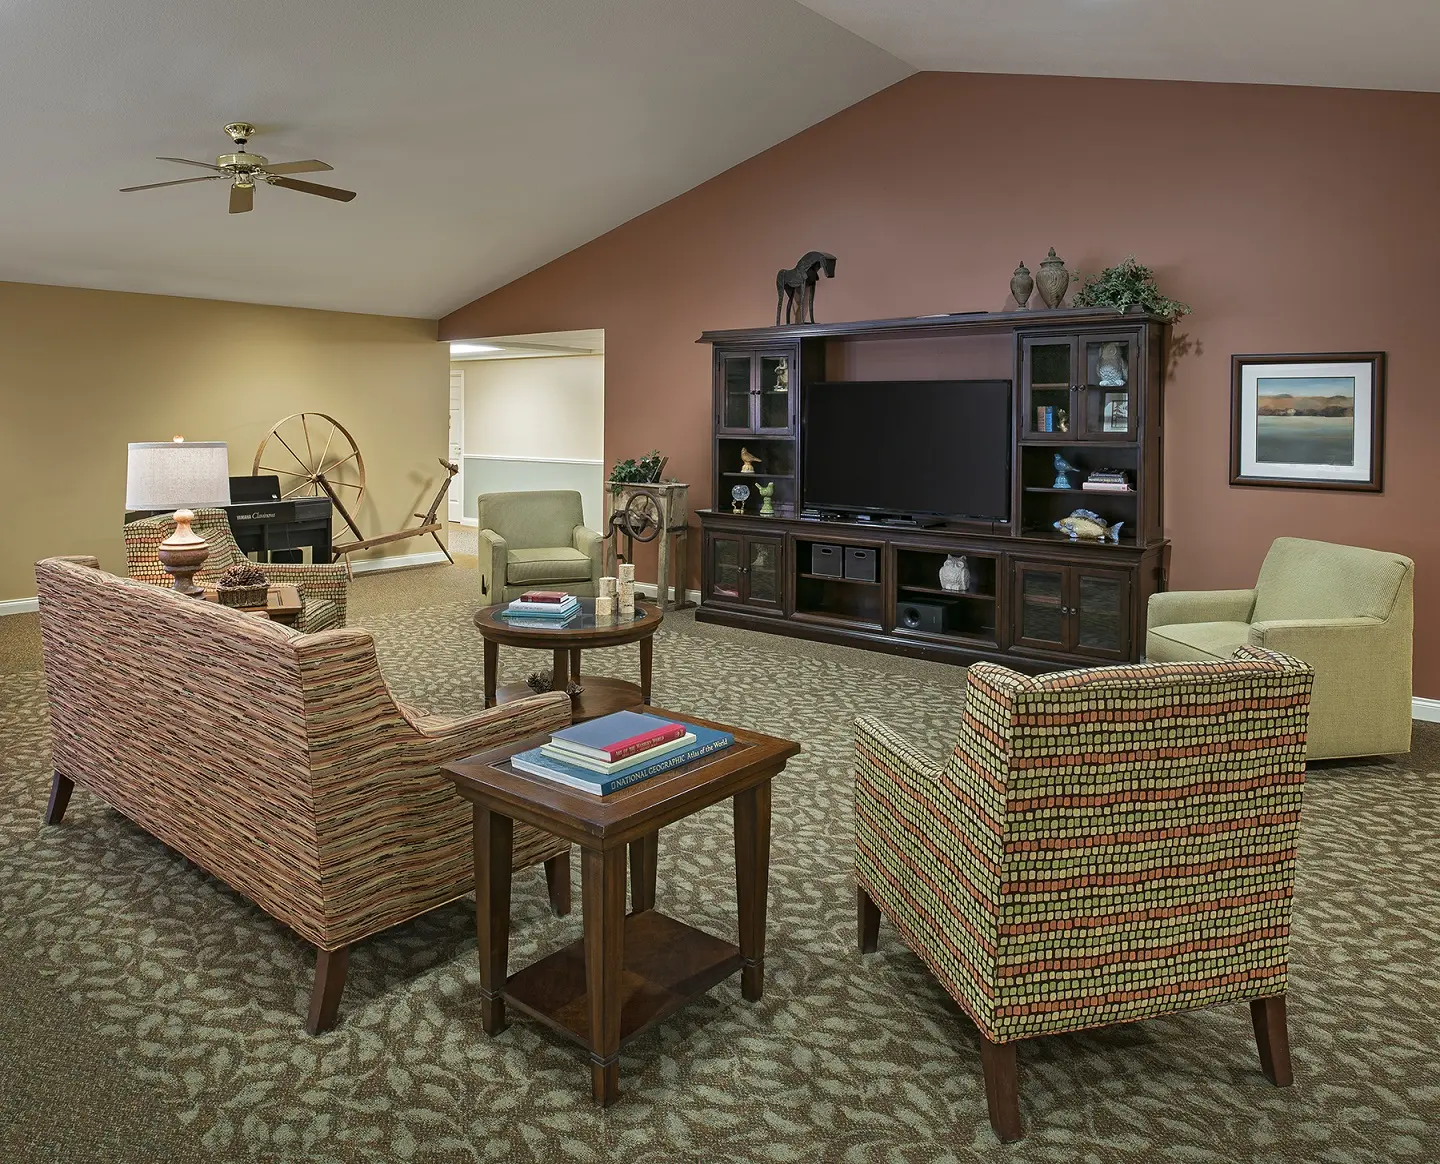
(943, 593)
(836, 620)
(1069, 438)
(667, 963)
(832, 578)
(987, 639)
(772, 476)
(1086, 492)
(959, 322)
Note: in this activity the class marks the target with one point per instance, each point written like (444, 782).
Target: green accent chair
(1100, 846)
(1347, 611)
(536, 541)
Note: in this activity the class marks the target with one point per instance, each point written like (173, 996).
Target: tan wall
(1294, 220)
(539, 407)
(82, 373)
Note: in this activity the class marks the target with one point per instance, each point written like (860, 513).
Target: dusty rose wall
(1294, 220)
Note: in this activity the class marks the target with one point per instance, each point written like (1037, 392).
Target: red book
(555, 596)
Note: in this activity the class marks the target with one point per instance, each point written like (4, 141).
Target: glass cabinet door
(1040, 606)
(1101, 613)
(735, 393)
(774, 394)
(1108, 367)
(762, 571)
(725, 569)
(1049, 374)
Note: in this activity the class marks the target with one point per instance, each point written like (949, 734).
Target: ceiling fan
(242, 170)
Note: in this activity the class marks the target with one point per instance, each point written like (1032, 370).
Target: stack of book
(1107, 481)
(542, 608)
(618, 750)
(1048, 418)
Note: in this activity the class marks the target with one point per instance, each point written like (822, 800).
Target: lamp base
(183, 553)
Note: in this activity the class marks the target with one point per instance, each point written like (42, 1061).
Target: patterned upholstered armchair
(1102, 846)
(323, 586)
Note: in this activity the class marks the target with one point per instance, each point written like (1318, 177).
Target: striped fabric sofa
(278, 762)
(1102, 846)
(324, 586)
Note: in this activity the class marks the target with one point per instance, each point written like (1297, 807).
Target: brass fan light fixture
(242, 170)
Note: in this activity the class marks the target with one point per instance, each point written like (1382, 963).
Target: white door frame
(457, 442)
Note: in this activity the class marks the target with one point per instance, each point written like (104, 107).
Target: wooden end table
(283, 603)
(583, 632)
(629, 971)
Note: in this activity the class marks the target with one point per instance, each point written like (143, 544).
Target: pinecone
(242, 575)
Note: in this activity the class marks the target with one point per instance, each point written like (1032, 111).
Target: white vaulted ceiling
(487, 137)
(484, 137)
(1356, 44)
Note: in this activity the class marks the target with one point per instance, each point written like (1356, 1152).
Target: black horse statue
(795, 288)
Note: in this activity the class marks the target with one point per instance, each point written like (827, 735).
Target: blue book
(537, 763)
(608, 737)
(543, 609)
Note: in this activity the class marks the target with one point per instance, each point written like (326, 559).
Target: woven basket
(243, 595)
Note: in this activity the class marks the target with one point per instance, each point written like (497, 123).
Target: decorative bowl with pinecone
(242, 585)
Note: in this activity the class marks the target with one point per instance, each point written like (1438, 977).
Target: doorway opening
(527, 412)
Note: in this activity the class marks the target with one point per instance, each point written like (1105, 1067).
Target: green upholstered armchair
(1101, 846)
(536, 540)
(1347, 611)
(324, 586)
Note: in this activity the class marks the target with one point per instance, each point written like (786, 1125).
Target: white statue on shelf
(955, 573)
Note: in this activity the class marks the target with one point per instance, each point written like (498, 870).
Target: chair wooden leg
(1272, 1038)
(1002, 1088)
(60, 789)
(867, 921)
(557, 881)
(330, 968)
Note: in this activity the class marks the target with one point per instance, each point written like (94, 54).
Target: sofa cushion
(557, 564)
(1190, 641)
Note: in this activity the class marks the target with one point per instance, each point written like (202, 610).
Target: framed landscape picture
(1308, 421)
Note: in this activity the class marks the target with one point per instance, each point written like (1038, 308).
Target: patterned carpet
(149, 1013)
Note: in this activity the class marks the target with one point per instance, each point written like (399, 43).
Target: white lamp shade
(177, 474)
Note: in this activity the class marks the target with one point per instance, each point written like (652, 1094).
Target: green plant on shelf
(645, 471)
(1126, 285)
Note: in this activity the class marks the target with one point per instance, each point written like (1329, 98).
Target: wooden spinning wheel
(314, 455)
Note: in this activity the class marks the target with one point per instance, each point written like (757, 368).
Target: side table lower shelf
(667, 964)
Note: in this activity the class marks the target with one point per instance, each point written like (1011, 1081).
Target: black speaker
(924, 616)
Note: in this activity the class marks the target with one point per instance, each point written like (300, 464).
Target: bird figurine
(748, 460)
(1063, 469)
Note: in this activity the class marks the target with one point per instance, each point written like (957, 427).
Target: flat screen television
(915, 448)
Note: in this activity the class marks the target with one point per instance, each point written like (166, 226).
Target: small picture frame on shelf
(1115, 412)
(1308, 421)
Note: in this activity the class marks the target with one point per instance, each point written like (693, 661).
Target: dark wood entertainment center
(1086, 384)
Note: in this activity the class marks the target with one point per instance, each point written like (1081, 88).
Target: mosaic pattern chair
(278, 762)
(1345, 610)
(1102, 846)
(323, 586)
(535, 541)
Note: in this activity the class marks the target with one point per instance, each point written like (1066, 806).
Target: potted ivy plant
(1128, 286)
(645, 471)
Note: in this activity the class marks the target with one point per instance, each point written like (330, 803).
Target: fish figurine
(1085, 523)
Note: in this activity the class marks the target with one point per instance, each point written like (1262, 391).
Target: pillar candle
(607, 587)
(604, 607)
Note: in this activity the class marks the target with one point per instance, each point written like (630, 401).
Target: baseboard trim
(472, 522)
(652, 590)
(19, 606)
(1426, 709)
(398, 562)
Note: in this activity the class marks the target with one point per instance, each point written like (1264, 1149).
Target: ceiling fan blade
(312, 166)
(314, 188)
(178, 182)
(242, 198)
(188, 162)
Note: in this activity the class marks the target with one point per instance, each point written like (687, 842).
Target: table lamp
(179, 474)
